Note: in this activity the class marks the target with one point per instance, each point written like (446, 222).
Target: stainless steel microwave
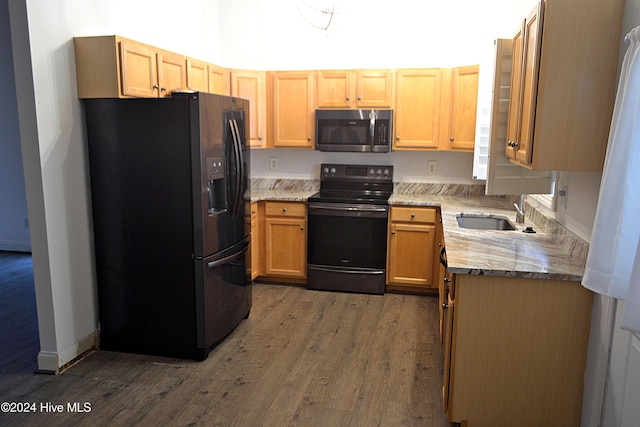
(354, 130)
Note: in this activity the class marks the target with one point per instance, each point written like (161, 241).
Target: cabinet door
(462, 108)
(515, 95)
(251, 85)
(417, 112)
(255, 248)
(218, 80)
(531, 55)
(524, 87)
(293, 109)
(286, 247)
(448, 342)
(410, 255)
(171, 72)
(440, 275)
(334, 89)
(139, 71)
(374, 89)
(197, 75)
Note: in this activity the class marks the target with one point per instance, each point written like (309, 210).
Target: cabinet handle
(393, 232)
(308, 138)
(155, 87)
(397, 138)
(164, 89)
(512, 144)
(259, 138)
(450, 138)
(284, 209)
(252, 212)
(301, 228)
(359, 98)
(413, 215)
(348, 98)
(439, 245)
(445, 305)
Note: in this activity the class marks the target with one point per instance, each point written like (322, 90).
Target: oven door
(347, 246)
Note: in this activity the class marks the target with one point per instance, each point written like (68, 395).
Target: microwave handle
(372, 132)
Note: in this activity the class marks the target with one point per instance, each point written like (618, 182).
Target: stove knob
(372, 172)
(386, 172)
(333, 170)
(379, 172)
(326, 170)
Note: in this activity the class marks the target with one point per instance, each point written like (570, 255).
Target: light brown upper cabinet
(459, 108)
(436, 108)
(205, 77)
(354, 88)
(219, 80)
(251, 85)
(292, 109)
(563, 81)
(197, 75)
(417, 110)
(115, 67)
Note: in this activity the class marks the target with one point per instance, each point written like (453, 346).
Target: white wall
(613, 362)
(267, 35)
(623, 381)
(14, 233)
(271, 35)
(53, 140)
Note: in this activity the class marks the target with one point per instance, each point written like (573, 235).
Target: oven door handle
(349, 210)
(352, 270)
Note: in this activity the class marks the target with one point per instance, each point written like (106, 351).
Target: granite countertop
(494, 252)
(285, 190)
(543, 255)
(281, 195)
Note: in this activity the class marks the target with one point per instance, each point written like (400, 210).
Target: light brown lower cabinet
(285, 240)
(515, 351)
(252, 224)
(411, 254)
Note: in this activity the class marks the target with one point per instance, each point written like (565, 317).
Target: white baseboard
(52, 362)
(48, 362)
(7, 245)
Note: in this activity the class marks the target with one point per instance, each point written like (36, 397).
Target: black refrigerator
(169, 183)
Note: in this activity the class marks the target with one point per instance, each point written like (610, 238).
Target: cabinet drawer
(413, 214)
(285, 209)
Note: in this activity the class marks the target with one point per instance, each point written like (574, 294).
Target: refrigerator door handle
(236, 157)
(240, 163)
(228, 259)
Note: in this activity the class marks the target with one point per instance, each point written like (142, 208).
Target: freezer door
(224, 294)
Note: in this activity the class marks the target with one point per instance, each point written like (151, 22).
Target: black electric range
(347, 240)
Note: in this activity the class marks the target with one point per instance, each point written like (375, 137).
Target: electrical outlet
(432, 167)
(563, 193)
(273, 163)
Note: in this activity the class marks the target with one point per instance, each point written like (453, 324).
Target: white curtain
(613, 263)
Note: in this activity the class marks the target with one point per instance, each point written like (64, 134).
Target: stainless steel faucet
(520, 210)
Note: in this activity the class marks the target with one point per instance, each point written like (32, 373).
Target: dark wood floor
(19, 342)
(303, 358)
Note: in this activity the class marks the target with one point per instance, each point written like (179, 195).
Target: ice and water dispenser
(216, 187)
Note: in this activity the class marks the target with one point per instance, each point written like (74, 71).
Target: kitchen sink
(484, 222)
